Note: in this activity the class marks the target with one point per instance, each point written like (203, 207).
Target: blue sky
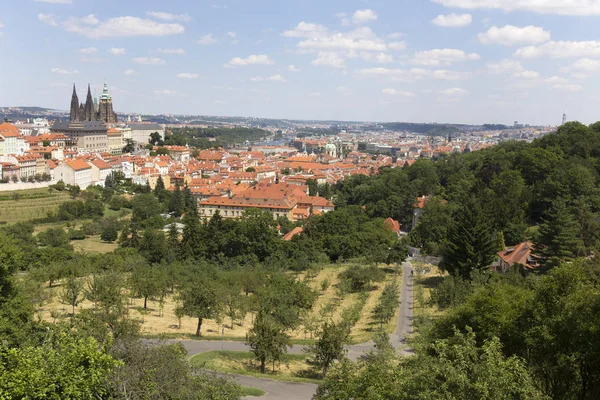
(460, 61)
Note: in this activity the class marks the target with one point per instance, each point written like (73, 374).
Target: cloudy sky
(471, 61)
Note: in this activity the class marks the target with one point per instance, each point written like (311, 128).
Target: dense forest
(205, 138)
(520, 335)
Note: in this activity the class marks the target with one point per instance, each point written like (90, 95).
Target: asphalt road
(277, 390)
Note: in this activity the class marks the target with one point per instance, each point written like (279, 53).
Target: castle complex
(92, 110)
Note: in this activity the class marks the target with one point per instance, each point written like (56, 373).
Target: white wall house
(74, 172)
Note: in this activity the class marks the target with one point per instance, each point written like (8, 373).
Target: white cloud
(330, 60)
(292, 68)
(314, 94)
(171, 51)
(207, 39)
(49, 19)
(130, 72)
(62, 71)
(276, 78)
(361, 38)
(364, 16)
(583, 68)
(89, 50)
(454, 92)
(117, 51)
(558, 7)
(165, 92)
(453, 20)
(561, 49)
(232, 35)
(256, 79)
(187, 75)
(410, 75)
(380, 58)
(254, 59)
(397, 45)
(509, 35)
(395, 92)
(168, 16)
(442, 57)
(568, 87)
(91, 27)
(395, 35)
(54, 1)
(343, 18)
(149, 60)
(306, 30)
(512, 67)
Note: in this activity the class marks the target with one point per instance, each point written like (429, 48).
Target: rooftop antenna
(564, 119)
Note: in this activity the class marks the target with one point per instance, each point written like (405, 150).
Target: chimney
(229, 194)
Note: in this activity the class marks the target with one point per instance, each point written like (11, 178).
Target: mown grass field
(23, 205)
(293, 368)
(157, 321)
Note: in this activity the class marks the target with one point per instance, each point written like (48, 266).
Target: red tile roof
(78, 165)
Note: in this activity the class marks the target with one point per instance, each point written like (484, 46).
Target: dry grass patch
(93, 245)
(293, 367)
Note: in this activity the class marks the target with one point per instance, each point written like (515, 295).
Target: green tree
(64, 367)
(109, 233)
(471, 245)
(559, 236)
(191, 243)
(177, 202)
(188, 199)
(146, 210)
(147, 282)
(331, 344)
(129, 146)
(72, 293)
(267, 340)
(201, 299)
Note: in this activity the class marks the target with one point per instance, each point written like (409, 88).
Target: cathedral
(92, 110)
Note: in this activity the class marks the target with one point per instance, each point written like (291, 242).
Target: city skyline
(454, 61)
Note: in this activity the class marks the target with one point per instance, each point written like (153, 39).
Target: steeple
(89, 106)
(74, 111)
(105, 95)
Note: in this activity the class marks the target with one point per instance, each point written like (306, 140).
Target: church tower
(89, 107)
(74, 114)
(105, 108)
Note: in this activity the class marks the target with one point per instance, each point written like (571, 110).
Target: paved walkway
(277, 390)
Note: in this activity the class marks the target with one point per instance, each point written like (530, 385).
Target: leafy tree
(191, 243)
(109, 233)
(146, 210)
(361, 278)
(74, 191)
(72, 293)
(188, 199)
(559, 236)
(147, 282)
(471, 244)
(250, 169)
(129, 146)
(331, 344)
(177, 202)
(64, 367)
(156, 139)
(267, 340)
(387, 305)
(201, 299)
(153, 245)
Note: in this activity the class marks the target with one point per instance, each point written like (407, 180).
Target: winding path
(277, 390)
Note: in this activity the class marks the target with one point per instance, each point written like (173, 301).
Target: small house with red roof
(74, 172)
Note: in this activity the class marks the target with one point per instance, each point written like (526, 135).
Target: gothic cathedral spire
(74, 112)
(90, 115)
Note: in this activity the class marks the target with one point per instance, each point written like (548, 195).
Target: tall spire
(74, 111)
(89, 106)
(105, 95)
